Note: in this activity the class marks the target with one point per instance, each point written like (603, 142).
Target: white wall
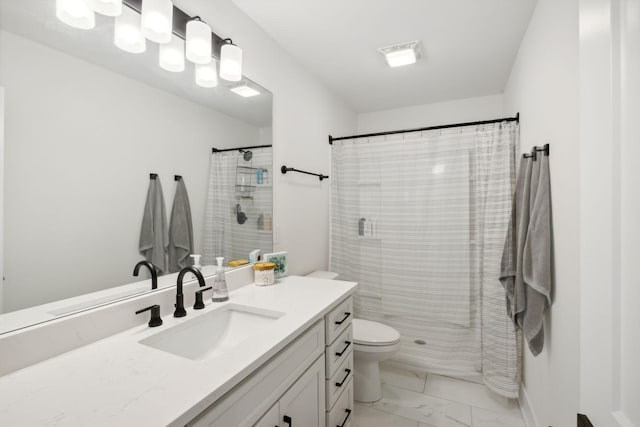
(1, 199)
(630, 212)
(543, 87)
(81, 141)
(304, 113)
(440, 113)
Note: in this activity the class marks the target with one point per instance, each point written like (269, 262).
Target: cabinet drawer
(244, 404)
(338, 320)
(339, 351)
(341, 414)
(339, 381)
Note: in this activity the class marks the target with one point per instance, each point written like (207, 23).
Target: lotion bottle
(220, 292)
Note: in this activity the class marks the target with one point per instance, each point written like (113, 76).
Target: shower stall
(419, 220)
(239, 203)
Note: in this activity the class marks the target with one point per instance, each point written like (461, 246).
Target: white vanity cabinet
(307, 384)
(339, 364)
(291, 384)
(302, 404)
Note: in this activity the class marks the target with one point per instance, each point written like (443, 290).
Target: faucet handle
(155, 315)
(199, 305)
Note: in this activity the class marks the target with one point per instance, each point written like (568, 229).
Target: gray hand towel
(511, 264)
(180, 230)
(154, 236)
(536, 258)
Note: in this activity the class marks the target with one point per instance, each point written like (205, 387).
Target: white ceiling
(468, 46)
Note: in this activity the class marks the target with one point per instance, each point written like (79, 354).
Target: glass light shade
(76, 13)
(231, 62)
(106, 7)
(157, 20)
(127, 35)
(198, 45)
(172, 55)
(207, 75)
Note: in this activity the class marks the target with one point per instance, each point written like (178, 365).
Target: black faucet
(180, 311)
(152, 269)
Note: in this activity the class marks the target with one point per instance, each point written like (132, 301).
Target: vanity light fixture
(402, 54)
(157, 20)
(177, 33)
(230, 61)
(207, 75)
(245, 91)
(76, 13)
(106, 7)
(171, 56)
(127, 35)
(198, 44)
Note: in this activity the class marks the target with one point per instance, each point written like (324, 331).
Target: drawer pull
(348, 411)
(340, 353)
(348, 371)
(287, 419)
(346, 316)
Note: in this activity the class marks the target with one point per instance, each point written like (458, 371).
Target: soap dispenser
(220, 292)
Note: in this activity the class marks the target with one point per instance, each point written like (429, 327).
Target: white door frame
(603, 201)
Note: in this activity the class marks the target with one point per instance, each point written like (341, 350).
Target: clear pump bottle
(220, 292)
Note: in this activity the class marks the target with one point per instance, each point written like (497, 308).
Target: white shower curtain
(217, 240)
(419, 220)
(224, 235)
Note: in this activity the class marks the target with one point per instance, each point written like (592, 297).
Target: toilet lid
(366, 332)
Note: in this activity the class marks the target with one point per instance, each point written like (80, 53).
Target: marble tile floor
(411, 399)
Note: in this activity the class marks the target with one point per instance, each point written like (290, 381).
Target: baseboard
(527, 409)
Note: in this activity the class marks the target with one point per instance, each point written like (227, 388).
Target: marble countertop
(118, 381)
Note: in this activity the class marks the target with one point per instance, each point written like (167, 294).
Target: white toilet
(373, 343)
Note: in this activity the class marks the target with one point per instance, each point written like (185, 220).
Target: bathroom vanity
(271, 356)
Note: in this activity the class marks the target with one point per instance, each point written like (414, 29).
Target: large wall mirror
(85, 124)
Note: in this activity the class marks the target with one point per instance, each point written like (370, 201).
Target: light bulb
(231, 62)
(76, 13)
(157, 20)
(206, 75)
(198, 44)
(172, 55)
(127, 35)
(106, 7)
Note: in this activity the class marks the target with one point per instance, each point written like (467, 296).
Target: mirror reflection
(85, 124)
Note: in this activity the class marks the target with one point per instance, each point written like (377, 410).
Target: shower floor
(412, 399)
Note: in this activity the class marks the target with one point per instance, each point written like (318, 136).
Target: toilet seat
(368, 333)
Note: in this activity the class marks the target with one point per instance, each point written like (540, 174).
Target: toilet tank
(319, 274)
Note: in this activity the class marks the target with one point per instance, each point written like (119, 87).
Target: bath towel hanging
(154, 236)
(511, 265)
(180, 229)
(526, 259)
(536, 258)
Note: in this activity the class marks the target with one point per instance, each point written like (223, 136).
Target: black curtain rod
(215, 150)
(392, 132)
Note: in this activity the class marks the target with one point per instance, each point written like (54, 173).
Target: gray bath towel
(154, 236)
(536, 257)
(180, 230)
(511, 264)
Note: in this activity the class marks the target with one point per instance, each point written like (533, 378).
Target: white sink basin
(213, 333)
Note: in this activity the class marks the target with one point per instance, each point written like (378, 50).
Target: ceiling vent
(401, 54)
